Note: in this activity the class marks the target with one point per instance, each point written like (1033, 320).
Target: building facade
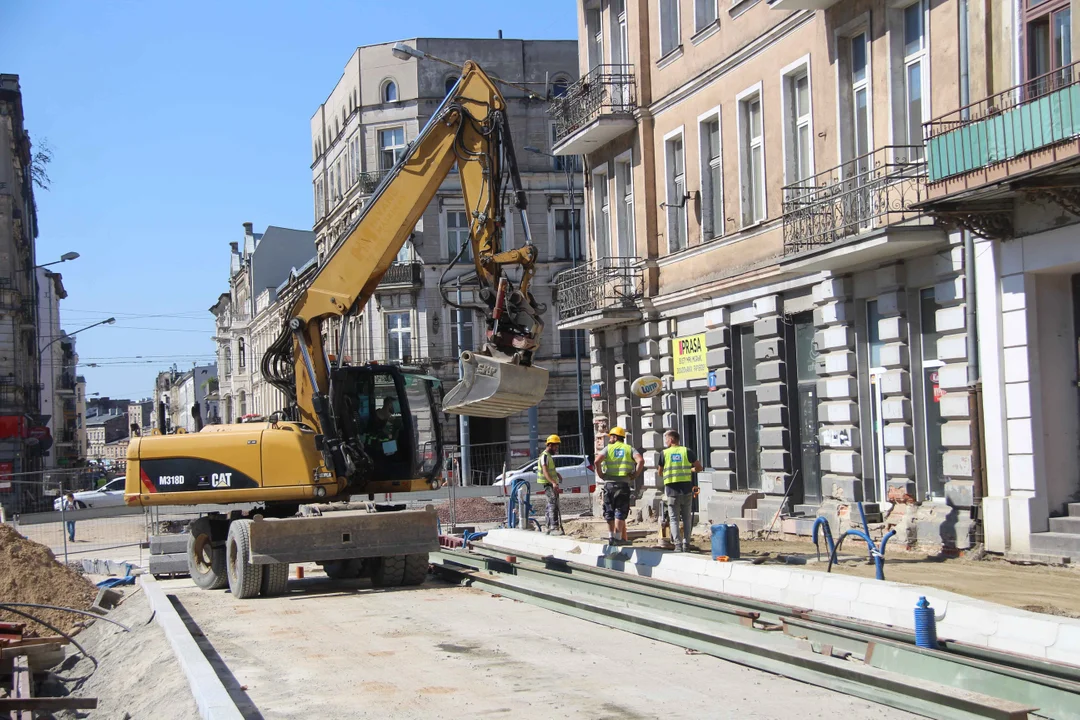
(754, 176)
(59, 363)
(102, 434)
(140, 416)
(377, 108)
(188, 391)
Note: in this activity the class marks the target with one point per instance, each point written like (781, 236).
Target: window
(595, 34)
(243, 403)
(676, 193)
(559, 86)
(398, 336)
(620, 40)
(465, 319)
(457, 234)
(449, 83)
(404, 254)
(931, 405)
(860, 99)
(753, 160)
(562, 162)
(228, 362)
(568, 234)
(1048, 43)
(241, 353)
(712, 179)
(624, 208)
(602, 214)
(798, 137)
(389, 91)
(319, 201)
(914, 75)
(748, 449)
(391, 147)
(566, 342)
(669, 26)
(704, 14)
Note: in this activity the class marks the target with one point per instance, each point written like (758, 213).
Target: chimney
(500, 34)
(248, 228)
(235, 247)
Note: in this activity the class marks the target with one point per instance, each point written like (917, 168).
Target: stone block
(767, 305)
(895, 355)
(774, 437)
(898, 435)
(770, 349)
(951, 319)
(599, 407)
(665, 346)
(652, 330)
(951, 291)
(731, 505)
(623, 405)
(717, 317)
(952, 347)
(722, 439)
(899, 463)
(670, 421)
(773, 415)
(649, 366)
(596, 342)
(652, 478)
(651, 457)
(839, 437)
(895, 382)
(947, 264)
(890, 276)
(722, 460)
(841, 462)
(954, 405)
(776, 460)
(669, 402)
(771, 371)
(841, 362)
(891, 303)
(848, 489)
(900, 490)
(896, 409)
(596, 373)
(721, 481)
(768, 327)
(625, 420)
(842, 412)
(721, 419)
(620, 371)
(956, 433)
(833, 313)
(622, 387)
(837, 388)
(652, 440)
(667, 365)
(722, 376)
(836, 288)
(838, 337)
(957, 463)
(718, 357)
(772, 393)
(719, 399)
(892, 328)
(650, 404)
(680, 385)
(717, 337)
(960, 493)
(650, 421)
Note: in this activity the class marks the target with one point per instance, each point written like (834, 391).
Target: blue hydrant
(925, 625)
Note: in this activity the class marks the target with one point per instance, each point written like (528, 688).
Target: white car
(578, 475)
(111, 494)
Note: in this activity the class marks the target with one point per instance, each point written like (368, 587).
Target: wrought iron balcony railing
(370, 180)
(1032, 115)
(410, 273)
(606, 89)
(873, 191)
(603, 284)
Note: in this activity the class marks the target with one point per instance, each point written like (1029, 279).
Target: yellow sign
(690, 357)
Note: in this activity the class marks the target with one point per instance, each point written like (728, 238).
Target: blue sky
(171, 123)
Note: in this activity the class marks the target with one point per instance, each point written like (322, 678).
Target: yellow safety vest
(546, 460)
(618, 461)
(677, 467)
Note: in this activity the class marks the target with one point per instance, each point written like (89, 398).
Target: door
(805, 422)
(748, 453)
(874, 486)
(935, 453)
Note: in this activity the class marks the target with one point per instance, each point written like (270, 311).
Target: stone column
(772, 398)
(895, 384)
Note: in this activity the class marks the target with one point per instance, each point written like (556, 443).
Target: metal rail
(874, 662)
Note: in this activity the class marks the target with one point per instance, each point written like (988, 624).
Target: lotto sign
(690, 358)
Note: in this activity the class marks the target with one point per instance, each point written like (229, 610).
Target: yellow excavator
(366, 429)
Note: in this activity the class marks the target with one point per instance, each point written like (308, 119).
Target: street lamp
(63, 258)
(109, 321)
(568, 169)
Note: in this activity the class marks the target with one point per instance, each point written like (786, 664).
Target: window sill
(738, 7)
(670, 58)
(754, 225)
(706, 32)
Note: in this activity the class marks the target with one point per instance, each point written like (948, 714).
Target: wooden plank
(22, 688)
(29, 705)
(12, 653)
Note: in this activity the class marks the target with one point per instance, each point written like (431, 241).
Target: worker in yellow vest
(618, 465)
(549, 478)
(678, 465)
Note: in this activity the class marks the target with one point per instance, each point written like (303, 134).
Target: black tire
(416, 569)
(206, 564)
(245, 578)
(389, 571)
(342, 569)
(275, 580)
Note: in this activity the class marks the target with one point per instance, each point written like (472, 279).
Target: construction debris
(30, 573)
(471, 510)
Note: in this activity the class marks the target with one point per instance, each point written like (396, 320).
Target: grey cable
(64, 609)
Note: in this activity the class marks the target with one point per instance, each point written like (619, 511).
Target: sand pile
(30, 573)
(471, 510)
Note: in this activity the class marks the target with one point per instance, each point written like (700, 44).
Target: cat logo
(221, 480)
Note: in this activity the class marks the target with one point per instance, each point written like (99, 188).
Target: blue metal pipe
(866, 531)
(829, 543)
(512, 510)
(876, 554)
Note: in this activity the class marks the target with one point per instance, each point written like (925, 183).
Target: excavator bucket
(494, 389)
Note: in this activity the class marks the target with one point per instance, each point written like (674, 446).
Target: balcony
(10, 298)
(66, 386)
(370, 180)
(1024, 140)
(600, 294)
(402, 276)
(595, 110)
(879, 190)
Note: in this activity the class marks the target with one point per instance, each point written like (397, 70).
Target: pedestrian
(678, 465)
(619, 464)
(549, 477)
(69, 505)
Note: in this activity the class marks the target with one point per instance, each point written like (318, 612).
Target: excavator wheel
(416, 569)
(275, 580)
(342, 569)
(245, 578)
(389, 571)
(206, 564)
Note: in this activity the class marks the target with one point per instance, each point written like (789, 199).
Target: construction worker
(678, 465)
(619, 464)
(549, 478)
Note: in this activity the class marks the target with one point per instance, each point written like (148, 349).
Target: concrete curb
(961, 618)
(210, 694)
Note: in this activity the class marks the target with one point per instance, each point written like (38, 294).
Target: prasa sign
(689, 352)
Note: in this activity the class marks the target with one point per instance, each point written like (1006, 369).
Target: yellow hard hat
(554, 440)
(617, 431)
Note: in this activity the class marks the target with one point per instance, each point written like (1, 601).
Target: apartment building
(58, 361)
(188, 392)
(754, 173)
(378, 106)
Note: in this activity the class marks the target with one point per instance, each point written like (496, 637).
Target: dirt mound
(30, 573)
(471, 510)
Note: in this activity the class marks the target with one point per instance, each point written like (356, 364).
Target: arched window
(243, 403)
(389, 91)
(451, 81)
(241, 353)
(559, 86)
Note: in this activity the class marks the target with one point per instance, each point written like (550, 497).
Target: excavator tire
(275, 579)
(342, 569)
(416, 569)
(245, 578)
(389, 571)
(206, 564)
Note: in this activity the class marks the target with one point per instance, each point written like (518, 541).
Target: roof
(103, 419)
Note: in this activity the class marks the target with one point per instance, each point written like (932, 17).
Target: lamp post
(568, 169)
(63, 258)
(109, 321)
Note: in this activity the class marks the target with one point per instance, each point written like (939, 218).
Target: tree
(39, 164)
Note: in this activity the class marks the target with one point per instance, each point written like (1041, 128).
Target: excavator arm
(470, 129)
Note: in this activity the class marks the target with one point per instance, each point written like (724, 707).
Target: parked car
(110, 494)
(577, 473)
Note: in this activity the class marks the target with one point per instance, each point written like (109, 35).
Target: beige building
(754, 172)
(376, 109)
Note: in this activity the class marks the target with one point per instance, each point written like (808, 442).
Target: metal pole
(63, 521)
(534, 431)
(463, 421)
(577, 336)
